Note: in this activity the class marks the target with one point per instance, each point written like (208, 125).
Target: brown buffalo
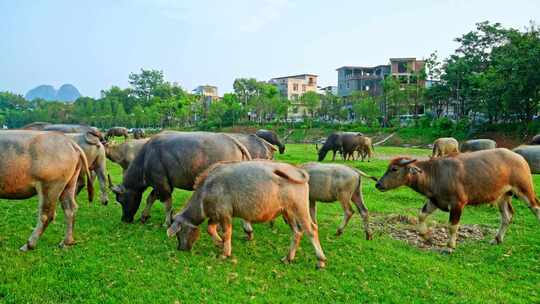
(65, 128)
(124, 153)
(43, 163)
(255, 191)
(445, 146)
(334, 182)
(97, 162)
(365, 148)
(451, 183)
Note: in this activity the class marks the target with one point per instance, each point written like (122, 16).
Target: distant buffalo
(271, 137)
(477, 145)
(258, 148)
(138, 133)
(116, 131)
(343, 142)
(535, 140)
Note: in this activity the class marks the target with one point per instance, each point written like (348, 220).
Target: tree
(312, 101)
(145, 85)
(366, 109)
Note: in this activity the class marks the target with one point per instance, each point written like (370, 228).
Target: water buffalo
(258, 147)
(255, 191)
(334, 182)
(445, 146)
(535, 140)
(65, 128)
(365, 148)
(343, 142)
(116, 131)
(138, 133)
(451, 183)
(477, 145)
(271, 137)
(43, 163)
(531, 155)
(124, 153)
(171, 160)
(95, 154)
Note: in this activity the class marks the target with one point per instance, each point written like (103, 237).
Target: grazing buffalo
(124, 153)
(116, 131)
(95, 154)
(445, 146)
(271, 137)
(334, 182)
(451, 183)
(43, 163)
(171, 160)
(535, 140)
(365, 148)
(258, 148)
(138, 133)
(531, 155)
(343, 142)
(255, 191)
(477, 145)
(65, 128)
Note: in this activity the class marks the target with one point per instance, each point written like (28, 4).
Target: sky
(96, 44)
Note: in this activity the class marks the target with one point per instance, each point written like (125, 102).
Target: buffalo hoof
(447, 250)
(339, 232)
(286, 260)
(495, 241)
(321, 264)
(26, 248)
(249, 236)
(369, 236)
(64, 243)
(224, 257)
(105, 203)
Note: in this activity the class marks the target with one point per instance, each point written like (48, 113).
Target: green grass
(117, 262)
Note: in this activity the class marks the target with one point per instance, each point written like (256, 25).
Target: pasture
(118, 262)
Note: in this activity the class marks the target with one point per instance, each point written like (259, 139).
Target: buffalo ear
(406, 161)
(91, 138)
(118, 189)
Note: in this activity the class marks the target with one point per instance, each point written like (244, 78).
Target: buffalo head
(399, 173)
(129, 199)
(186, 233)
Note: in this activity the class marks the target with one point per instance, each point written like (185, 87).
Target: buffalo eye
(393, 169)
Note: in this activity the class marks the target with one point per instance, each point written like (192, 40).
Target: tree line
(491, 77)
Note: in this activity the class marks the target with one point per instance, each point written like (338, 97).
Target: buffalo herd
(233, 175)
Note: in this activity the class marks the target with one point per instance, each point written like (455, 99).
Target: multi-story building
(208, 94)
(328, 90)
(293, 87)
(357, 78)
(406, 69)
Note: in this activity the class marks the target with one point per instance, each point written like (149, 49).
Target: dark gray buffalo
(95, 154)
(271, 137)
(477, 145)
(43, 163)
(138, 133)
(124, 153)
(343, 142)
(171, 160)
(117, 131)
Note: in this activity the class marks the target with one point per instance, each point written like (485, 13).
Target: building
(357, 78)
(328, 90)
(293, 87)
(406, 69)
(208, 94)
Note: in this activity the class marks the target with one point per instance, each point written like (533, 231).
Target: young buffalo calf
(451, 183)
(256, 191)
(334, 182)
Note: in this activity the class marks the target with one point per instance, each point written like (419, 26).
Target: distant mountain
(66, 93)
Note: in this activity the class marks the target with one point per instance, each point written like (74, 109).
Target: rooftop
(295, 76)
(361, 67)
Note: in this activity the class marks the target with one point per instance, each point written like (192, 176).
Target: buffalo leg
(313, 210)
(347, 214)
(507, 213)
(48, 196)
(333, 155)
(212, 231)
(455, 215)
(426, 211)
(152, 197)
(227, 236)
(247, 229)
(312, 232)
(168, 211)
(101, 173)
(295, 241)
(358, 200)
(70, 208)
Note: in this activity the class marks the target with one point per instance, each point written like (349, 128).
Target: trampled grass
(117, 262)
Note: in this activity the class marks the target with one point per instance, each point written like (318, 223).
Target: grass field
(117, 262)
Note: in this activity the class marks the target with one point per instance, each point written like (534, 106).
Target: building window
(295, 86)
(303, 88)
(347, 85)
(367, 88)
(402, 67)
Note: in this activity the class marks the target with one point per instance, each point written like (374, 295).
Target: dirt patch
(402, 227)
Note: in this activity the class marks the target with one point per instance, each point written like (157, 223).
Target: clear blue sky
(96, 44)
